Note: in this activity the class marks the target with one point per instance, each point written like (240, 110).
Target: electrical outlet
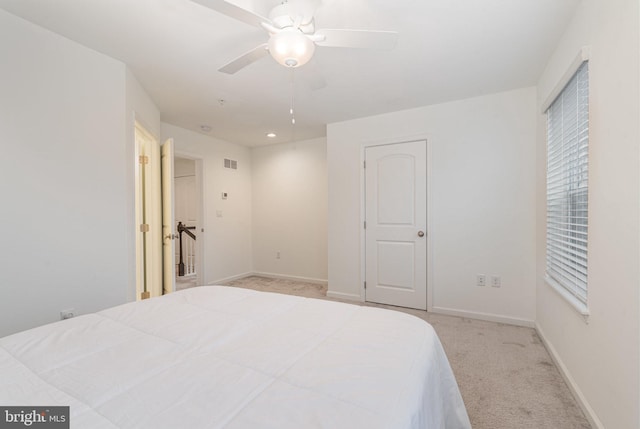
(278, 254)
(481, 280)
(495, 281)
(67, 314)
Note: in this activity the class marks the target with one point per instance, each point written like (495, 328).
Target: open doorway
(168, 206)
(188, 218)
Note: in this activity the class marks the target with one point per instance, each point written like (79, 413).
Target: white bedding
(235, 358)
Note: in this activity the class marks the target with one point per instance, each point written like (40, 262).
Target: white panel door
(153, 217)
(149, 213)
(396, 220)
(169, 232)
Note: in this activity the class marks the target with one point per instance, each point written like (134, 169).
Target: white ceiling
(447, 50)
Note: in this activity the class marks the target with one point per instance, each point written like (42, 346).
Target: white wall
(183, 167)
(186, 203)
(141, 108)
(482, 202)
(227, 245)
(601, 358)
(63, 178)
(290, 209)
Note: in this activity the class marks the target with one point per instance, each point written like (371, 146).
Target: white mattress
(235, 358)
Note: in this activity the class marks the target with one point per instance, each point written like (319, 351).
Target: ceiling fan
(292, 34)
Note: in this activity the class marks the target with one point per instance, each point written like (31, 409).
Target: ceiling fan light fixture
(291, 48)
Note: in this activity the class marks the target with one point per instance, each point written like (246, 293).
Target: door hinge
(143, 159)
(364, 164)
(365, 224)
(144, 227)
(365, 285)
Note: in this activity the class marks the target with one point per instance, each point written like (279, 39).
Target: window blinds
(567, 185)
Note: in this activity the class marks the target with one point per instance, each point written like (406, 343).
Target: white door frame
(363, 201)
(200, 211)
(167, 185)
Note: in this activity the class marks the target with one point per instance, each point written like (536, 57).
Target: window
(567, 189)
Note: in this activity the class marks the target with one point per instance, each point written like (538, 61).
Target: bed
(223, 357)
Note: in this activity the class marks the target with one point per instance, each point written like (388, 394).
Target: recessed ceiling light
(205, 128)
(271, 135)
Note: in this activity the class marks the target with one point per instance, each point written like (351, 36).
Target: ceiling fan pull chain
(291, 109)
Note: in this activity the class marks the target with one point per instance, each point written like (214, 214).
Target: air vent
(230, 163)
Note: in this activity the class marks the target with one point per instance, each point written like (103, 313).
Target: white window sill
(574, 302)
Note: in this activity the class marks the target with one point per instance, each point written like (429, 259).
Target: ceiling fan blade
(233, 11)
(357, 39)
(244, 60)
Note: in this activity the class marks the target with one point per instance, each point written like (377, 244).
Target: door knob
(420, 234)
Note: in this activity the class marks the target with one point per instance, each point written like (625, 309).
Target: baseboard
(286, 277)
(484, 316)
(566, 375)
(344, 296)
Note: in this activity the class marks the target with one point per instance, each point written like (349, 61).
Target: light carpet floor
(186, 282)
(505, 374)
